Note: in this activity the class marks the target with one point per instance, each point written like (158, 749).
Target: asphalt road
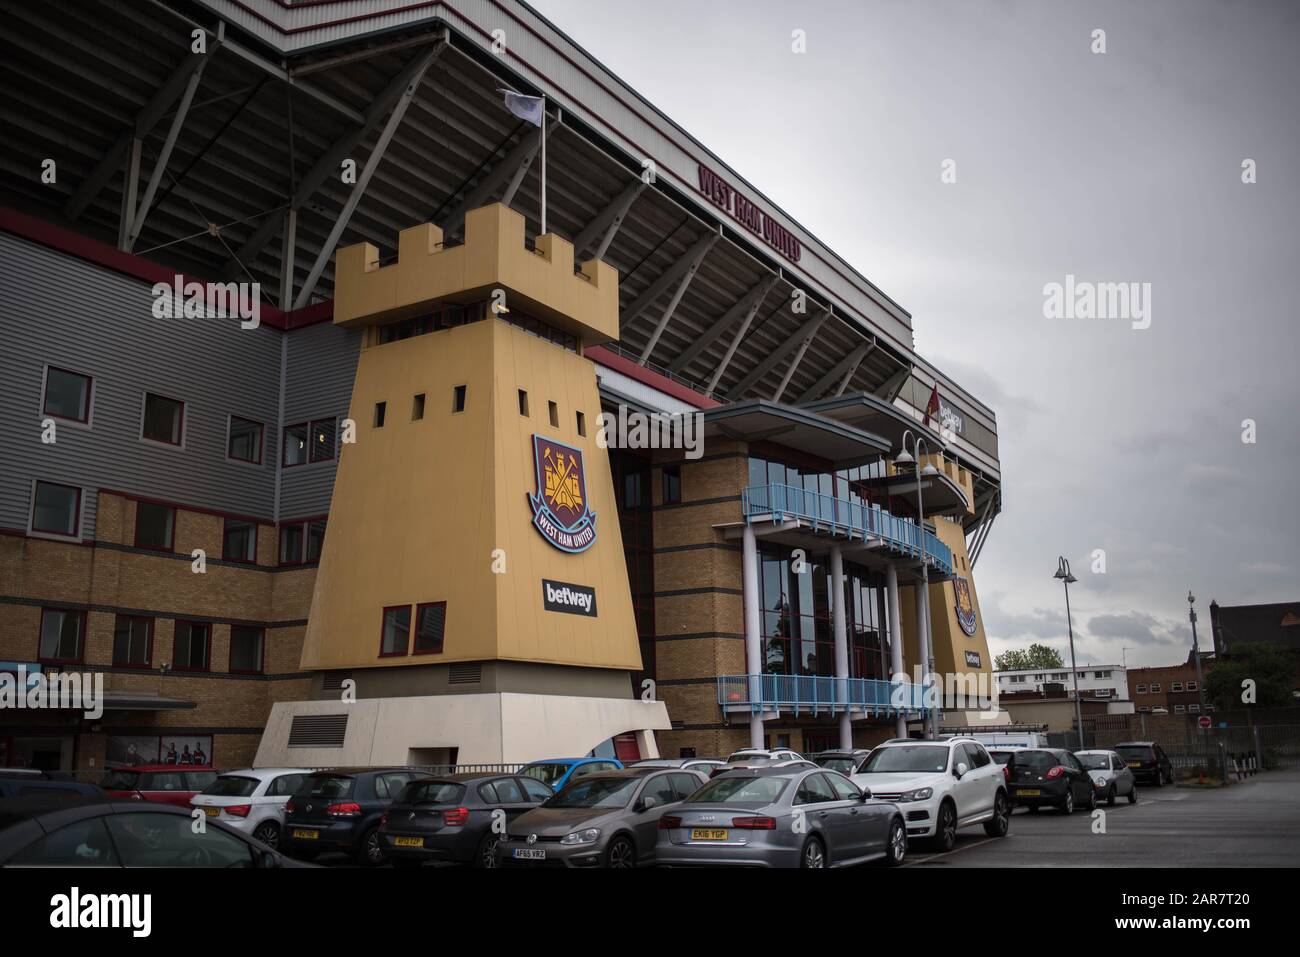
(1252, 824)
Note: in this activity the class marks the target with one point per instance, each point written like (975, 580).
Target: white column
(923, 644)
(839, 622)
(895, 637)
(753, 630)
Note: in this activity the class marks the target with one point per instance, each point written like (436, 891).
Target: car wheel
(1133, 795)
(370, 852)
(897, 849)
(486, 854)
(1068, 806)
(1110, 796)
(814, 855)
(1092, 797)
(620, 853)
(268, 832)
(1000, 823)
(945, 830)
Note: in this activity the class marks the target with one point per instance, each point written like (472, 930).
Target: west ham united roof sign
(560, 511)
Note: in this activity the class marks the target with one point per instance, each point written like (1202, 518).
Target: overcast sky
(1117, 167)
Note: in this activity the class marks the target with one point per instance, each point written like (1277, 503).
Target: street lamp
(903, 460)
(1067, 579)
(1196, 654)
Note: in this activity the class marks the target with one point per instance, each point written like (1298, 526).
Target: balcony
(852, 520)
(816, 694)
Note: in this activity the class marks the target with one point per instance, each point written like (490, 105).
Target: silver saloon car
(781, 817)
(607, 819)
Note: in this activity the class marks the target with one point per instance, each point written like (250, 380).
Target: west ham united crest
(965, 607)
(560, 509)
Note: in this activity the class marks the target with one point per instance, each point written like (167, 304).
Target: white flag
(528, 108)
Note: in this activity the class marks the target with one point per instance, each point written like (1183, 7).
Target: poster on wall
(177, 749)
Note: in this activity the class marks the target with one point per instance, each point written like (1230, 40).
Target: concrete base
(497, 728)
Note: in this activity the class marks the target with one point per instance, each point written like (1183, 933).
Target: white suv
(939, 786)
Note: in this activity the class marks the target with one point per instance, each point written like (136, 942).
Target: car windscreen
(1036, 759)
(596, 792)
(1001, 757)
(431, 792)
(327, 786)
(749, 759)
(907, 757)
(1134, 752)
(843, 765)
(546, 773)
(120, 780)
(231, 786)
(1094, 762)
(740, 790)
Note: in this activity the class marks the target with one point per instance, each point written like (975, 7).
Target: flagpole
(543, 166)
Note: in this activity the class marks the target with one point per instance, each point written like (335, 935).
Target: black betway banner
(570, 599)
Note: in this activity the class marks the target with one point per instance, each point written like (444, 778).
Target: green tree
(1036, 656)
(1271, 668)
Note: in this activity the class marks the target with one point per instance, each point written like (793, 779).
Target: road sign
(1204, 721)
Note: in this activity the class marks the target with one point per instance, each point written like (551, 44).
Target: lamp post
(1196, 652)
(1067, 579)
(926, 643)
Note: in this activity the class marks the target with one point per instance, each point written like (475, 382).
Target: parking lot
(1252, 824)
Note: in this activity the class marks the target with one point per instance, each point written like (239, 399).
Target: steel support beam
(807, 330)
(850, 360)
(607, 222)
(288, 258)
(681, 272)
(844, 383)
(735, 344)
(359, 188)
(794, 364)
(890, 388)
(752, 299)
(520, 156)
(130, 190)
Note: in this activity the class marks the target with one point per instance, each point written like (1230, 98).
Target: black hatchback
(1148, 762)
(456, 818)
(1050, 777)
(340, 810)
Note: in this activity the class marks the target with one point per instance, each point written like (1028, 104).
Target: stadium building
(321, 450)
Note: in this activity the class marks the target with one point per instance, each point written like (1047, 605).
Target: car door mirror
(646, 803)
(866, 794)
(960, 770)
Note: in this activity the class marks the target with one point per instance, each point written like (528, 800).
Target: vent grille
(465, 674)
(333, 680)
(318, 730)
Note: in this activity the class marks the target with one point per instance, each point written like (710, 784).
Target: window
(844, 789)
(155, 526)
(537, 791)
(315, 539)
(523, 402)
(1141, 689)
(291, 543)
(246, 646)
(582, 423)
(132, 642)
(430, 622)
(192, 646)
(1176, 686)
(239, 543)
(1180, 709)
(56, 509)
(1155, 687)
(157, 840)
(659, 787)
(286, 785)
(397, 631)
(82, 844)
(553, 411)
(62, 635)
(381, 411)
(244, 440)
(163, 420)
(672, 484)
(1191, 686)
(814, 790)
(322, 440)
(458, 399)
(417, 408)
(295, 445)
(67, 395)
(508, 792)
(309, 442)
(1193, 709)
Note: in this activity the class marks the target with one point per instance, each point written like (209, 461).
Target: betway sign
(755, 220)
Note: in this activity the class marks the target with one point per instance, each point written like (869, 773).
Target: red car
(163, 783)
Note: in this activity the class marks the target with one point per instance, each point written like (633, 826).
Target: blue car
(557, 772)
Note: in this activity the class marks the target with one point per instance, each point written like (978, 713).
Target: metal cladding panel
(60, 310)
(321, 368)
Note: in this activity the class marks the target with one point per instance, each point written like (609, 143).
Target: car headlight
(589, 836)
(920, 794)
(1101, 782)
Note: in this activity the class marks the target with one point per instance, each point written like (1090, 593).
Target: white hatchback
(939, 786)
(251, 800)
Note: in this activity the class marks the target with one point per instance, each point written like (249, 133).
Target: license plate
(1135, 764)
(1029, 792)
(409, 841)
(305, 835)
(212, 811)
(709, 833)
(529, 854)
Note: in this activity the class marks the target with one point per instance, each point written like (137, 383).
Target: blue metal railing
(818, 693)
(846, 517)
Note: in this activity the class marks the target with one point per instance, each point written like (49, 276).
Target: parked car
(556, 773)
(940, 786)
(845, 762)
(1110, 775)
(18, 783)
(1148, 762)
(452, 817)
(781, 817)
(1007, 760)
(704, 765)
(1051, 777)
(251, 800)
(98, 833)
(340, 810)
(610, 819)
(757, 758)
(160, 783)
